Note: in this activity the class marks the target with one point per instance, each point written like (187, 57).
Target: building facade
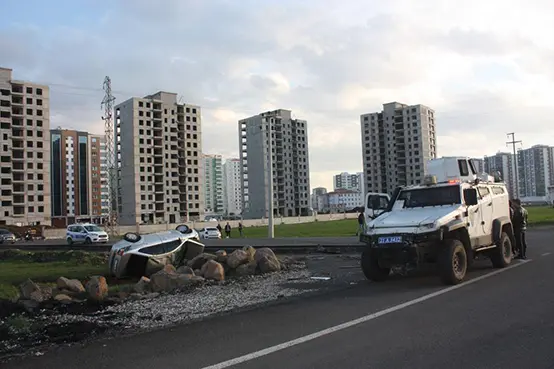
(349, 181)
(397, 143)
(316, 193)
(232, 187)
(535, 172)
(159, 160)
(290, 164)
(213, 184)
(502, 163)
(78, 177)
(340, 200)
(24, 152)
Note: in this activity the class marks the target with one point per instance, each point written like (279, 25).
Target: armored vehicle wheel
(501, 255)
(371, 268)
(452, 262)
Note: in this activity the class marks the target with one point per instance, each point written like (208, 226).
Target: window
(463, 167)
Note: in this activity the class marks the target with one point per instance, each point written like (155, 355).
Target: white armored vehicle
(454, 215)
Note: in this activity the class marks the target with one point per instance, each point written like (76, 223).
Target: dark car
(6, 236)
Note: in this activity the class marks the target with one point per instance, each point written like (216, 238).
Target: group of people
(519, 215)
(228, 229)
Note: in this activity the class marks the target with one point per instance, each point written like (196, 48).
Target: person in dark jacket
(240, 229)
(361, 224)
(519, 223)
(228, 230)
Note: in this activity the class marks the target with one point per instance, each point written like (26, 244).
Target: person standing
(228, 230)
(361, 223)
(240, 229)
(520, 226)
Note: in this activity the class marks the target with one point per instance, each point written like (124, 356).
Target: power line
(513, 142)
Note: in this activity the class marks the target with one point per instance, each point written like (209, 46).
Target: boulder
(213, 270)
(198, 272)
(32, 291)
(164, 281)
(185, 270)
(142, 286)
(64, 299)
(193, 250)
(250, 251)
(169, 268)
(200, 260)
(236, 258)
(267, 261)
(72, 285)
(246, 269)
(221, 256)
(97, 288)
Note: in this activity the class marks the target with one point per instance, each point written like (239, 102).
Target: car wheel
(371, 268)
(88, 241)
(69, 241)
(501, 255)
(453, 262)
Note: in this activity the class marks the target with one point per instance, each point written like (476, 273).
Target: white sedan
(209, 233)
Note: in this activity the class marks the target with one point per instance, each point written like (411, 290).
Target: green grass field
(538, 215)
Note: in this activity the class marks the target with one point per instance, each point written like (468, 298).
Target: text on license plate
(394, 239)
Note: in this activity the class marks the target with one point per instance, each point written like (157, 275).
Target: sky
(485, 67)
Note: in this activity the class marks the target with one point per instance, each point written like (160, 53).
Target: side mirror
(470, 196)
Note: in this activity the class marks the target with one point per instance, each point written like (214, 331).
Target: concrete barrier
(58, 233)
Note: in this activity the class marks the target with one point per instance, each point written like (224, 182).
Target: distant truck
(454, 215)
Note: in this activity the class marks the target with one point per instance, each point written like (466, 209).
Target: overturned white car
(143, 255)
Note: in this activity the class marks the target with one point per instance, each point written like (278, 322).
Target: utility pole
(111, 162)
(513, 142)
(270, 225)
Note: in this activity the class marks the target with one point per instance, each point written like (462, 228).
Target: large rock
(246, 269)
(267, 261)
(64, 299)
(97, 288)
(168, 281)
(193, 250)
(142, 286)
(185, 270)
(236, 258)
(250, 251)
(32, 291)
(200, 260)
(213, 270)
(221, 256)
(72, 285)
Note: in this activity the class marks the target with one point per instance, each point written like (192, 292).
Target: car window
(3, 231)
(93, 228)
(483, 191)
(78, 229)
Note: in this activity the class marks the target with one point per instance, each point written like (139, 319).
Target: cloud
(485, 67)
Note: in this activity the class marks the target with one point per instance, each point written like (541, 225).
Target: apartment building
(78, 177)
(340, 200)
(502, 163)
(316, 193)
(232, 187)
(213, 184)
(397, 143)
(159, 160)
(24, 152)
(349, 181)
(535, 172)
(290, 164)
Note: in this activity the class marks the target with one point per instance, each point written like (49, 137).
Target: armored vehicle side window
(464, 169)
(483, 192)
(497, 190)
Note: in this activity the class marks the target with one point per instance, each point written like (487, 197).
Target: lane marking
(545, 254)
(352, 323)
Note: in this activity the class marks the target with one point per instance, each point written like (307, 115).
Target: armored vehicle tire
(452, 262)
(371, 268)
(501, 255)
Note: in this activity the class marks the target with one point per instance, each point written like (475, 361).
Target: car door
(78, 234)
(474, 217)
(486, 210)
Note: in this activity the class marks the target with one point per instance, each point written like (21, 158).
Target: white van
(87, 233)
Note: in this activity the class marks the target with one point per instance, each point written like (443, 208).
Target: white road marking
(545, 254)
(340, 327)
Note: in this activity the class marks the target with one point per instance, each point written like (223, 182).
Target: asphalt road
(498, 319)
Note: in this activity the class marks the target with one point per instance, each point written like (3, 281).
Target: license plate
(394, 239)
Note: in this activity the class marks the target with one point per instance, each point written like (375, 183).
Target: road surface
(497, 319)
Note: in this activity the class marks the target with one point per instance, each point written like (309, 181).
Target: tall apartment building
(213, 184)
(24, 152)
(397, 143)
(232, 187)
(159, 160)
(502, 163)
(78, 177)
(535, 172)
(291, 169)
(349, 181)
(316, 195)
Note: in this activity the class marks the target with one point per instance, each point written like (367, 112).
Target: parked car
(209, 233)
(86, 233)
(142, 255)
(7, 236)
